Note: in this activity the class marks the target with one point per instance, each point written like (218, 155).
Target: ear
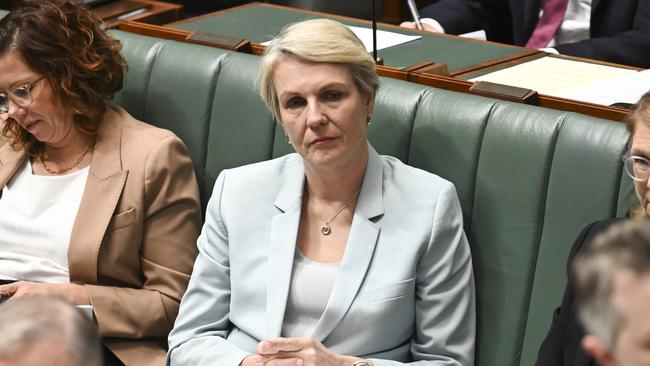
(596, 348)
(370, 103)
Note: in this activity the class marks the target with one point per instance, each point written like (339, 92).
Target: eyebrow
(17, 84)
(638, 152)
(324, 87)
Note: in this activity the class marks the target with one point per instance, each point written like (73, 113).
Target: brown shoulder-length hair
(62, 40)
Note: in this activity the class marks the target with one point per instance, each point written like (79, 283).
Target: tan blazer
(133, 243)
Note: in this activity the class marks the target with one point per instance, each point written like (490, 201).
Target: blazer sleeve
(171, 223)
(628, 47)
(457, 16)
(445, 314)
(199, 335)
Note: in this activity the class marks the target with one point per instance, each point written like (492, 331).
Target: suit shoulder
(412, 178)
(135, 127)
(140, 139)
(261, 171)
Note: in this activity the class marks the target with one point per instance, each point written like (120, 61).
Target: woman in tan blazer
(95, 206)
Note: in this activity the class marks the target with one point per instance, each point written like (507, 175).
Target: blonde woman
(334, 255)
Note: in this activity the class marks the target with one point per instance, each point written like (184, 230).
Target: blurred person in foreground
(47, 330)
(562, 343)
(612, 280)
(96, 206)
(333, 255)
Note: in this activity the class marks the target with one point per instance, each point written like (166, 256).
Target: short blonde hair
(316, 40)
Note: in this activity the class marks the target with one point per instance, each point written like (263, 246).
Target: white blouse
(36, 218)
(311, 286)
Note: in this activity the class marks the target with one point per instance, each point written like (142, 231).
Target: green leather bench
(528, 178)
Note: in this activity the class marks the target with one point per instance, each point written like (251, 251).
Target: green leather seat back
(241, 128)
(513, 168)
(583, 186)
(528, 178)
(393, 117)
(140, 53)
(447, 137)
(172, 85)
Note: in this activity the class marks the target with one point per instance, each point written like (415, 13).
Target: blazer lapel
(284, 233)
(359, 248)
(10, 161)
(103, 189)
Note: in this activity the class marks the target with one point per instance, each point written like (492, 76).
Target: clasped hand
(295, 352)
(76, 294)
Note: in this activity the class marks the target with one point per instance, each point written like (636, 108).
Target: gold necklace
(326, 229)
(88, 148)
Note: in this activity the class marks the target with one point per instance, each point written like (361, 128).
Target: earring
(368, 121)
(286, 137)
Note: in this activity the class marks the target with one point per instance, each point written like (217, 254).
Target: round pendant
(325, 230)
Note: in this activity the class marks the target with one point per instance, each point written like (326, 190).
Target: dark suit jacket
(561, 347)
(619, 30)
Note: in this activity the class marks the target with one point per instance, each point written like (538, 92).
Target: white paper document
(385, 39)
(553, 75)
(625, 89)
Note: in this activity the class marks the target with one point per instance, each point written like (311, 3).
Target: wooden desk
(255, 23)
(156, 12)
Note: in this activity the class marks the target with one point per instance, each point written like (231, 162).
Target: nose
(315, 115)
(14, 110)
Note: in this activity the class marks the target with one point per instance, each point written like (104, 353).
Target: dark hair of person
(640, 113)
(62, 40)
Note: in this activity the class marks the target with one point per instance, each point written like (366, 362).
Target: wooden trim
(595, 110)
(153, 30)
(470, 74)
(159, 12)
(496, 63)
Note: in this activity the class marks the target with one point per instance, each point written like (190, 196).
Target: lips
(322, 140)
(30, 126)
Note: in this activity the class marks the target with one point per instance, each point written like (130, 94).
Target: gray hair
(625, 247)
(317, 40)
(29, 320)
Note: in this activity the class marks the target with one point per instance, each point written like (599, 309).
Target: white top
(575, 26)
(36, 218)
(311, 286)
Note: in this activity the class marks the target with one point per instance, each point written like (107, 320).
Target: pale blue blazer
(404, 292)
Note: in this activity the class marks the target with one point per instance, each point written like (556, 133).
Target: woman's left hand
(299, 352)
(76, 294)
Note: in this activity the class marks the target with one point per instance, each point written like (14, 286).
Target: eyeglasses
(637, 167)
(22, 96)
